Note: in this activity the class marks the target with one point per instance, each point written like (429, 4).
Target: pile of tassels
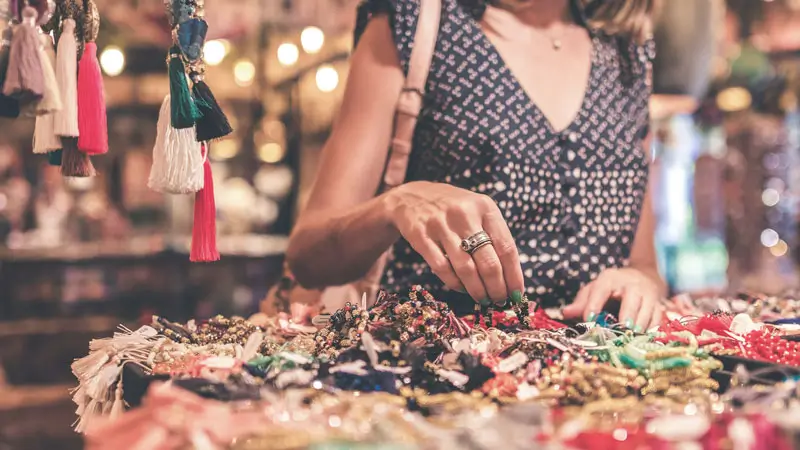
(99, 374)
(63, 87)
(188, 121)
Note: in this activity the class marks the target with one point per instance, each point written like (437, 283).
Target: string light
(312, 39)
(734, 99)
(244, 72)
(224, 149)
(327, 78)
(288, 54)
(769, 238)
(112, 61)
(270, 152)
(770, 197)
(214, 52)
(779, 249)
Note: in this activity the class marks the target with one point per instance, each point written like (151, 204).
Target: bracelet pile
(411, 362)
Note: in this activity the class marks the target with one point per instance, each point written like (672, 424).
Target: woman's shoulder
(617, 46)
(403, 17)
(634, 58)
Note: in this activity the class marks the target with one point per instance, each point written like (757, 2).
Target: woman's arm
(343, 229)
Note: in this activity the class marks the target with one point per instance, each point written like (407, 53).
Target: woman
(531, 131)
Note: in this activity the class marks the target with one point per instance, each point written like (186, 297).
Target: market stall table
(409, 373)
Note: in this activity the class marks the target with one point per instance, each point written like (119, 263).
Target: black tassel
(54, 158)
(9, 107)
(213, 124)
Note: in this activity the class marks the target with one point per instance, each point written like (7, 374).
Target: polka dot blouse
(572, 198)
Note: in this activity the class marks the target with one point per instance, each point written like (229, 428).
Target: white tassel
(118, 407)
(177, 158)
(91, 411)
(88, 366)
(45, 138)
(51, 100)
(99, 386)
(66, 121)
(251, 346)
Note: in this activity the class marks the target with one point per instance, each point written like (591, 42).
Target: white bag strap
(410, 102)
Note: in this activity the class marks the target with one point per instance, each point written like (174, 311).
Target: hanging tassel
(204, 230)
(45, 138)
(54, 157)
(51, 99)
(24, 79)
(184, 112)
(177, 157)
(66, 120)
(88, 366)
(158, 170)
(213, 124)
(75, 163)
(9, 106)
(118, 407)
(92, 121)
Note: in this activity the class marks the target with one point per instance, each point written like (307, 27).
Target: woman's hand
(435, 217)
(640, 295)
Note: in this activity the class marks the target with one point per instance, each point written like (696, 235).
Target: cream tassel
(177, 158)
(45, 138)
(66, 121)
(51, 100)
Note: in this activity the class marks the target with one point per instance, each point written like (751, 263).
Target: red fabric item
(92, 120)
(622, 439)
(204, 231)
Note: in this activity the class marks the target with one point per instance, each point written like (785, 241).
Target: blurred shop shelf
(54, 301)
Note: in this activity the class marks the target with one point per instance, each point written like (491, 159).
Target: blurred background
(79, 256)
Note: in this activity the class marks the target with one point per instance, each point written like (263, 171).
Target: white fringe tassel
(177, 158)
(51, 101)
(101, 370)
(66, 121)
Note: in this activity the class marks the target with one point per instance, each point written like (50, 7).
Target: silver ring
(476, 241)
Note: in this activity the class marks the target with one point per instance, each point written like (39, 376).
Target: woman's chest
(487, 127)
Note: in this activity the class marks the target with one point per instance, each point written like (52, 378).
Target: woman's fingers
(658, 315)
(578, 306)
(645, 315)
(631, 302)
(506, 249)
(432, 253)
(491, 271)
(464, 223)
(598, 296)
(464, 267)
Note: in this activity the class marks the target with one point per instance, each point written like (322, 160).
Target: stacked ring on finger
(472, 243)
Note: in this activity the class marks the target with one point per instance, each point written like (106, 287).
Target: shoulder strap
(410, 102)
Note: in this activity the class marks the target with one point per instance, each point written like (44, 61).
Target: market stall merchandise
(408, 373)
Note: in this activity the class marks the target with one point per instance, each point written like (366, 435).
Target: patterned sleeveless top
(572, 199)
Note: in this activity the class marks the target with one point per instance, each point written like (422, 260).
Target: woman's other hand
(640, 295)
(435, 217)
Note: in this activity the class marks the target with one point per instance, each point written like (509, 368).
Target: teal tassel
(54, 158)
(632, 362)
(184, 112)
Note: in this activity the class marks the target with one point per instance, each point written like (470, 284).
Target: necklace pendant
(556, 44)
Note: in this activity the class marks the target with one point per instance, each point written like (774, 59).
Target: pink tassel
(92, 121)
(24, 79)
(204, 231)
